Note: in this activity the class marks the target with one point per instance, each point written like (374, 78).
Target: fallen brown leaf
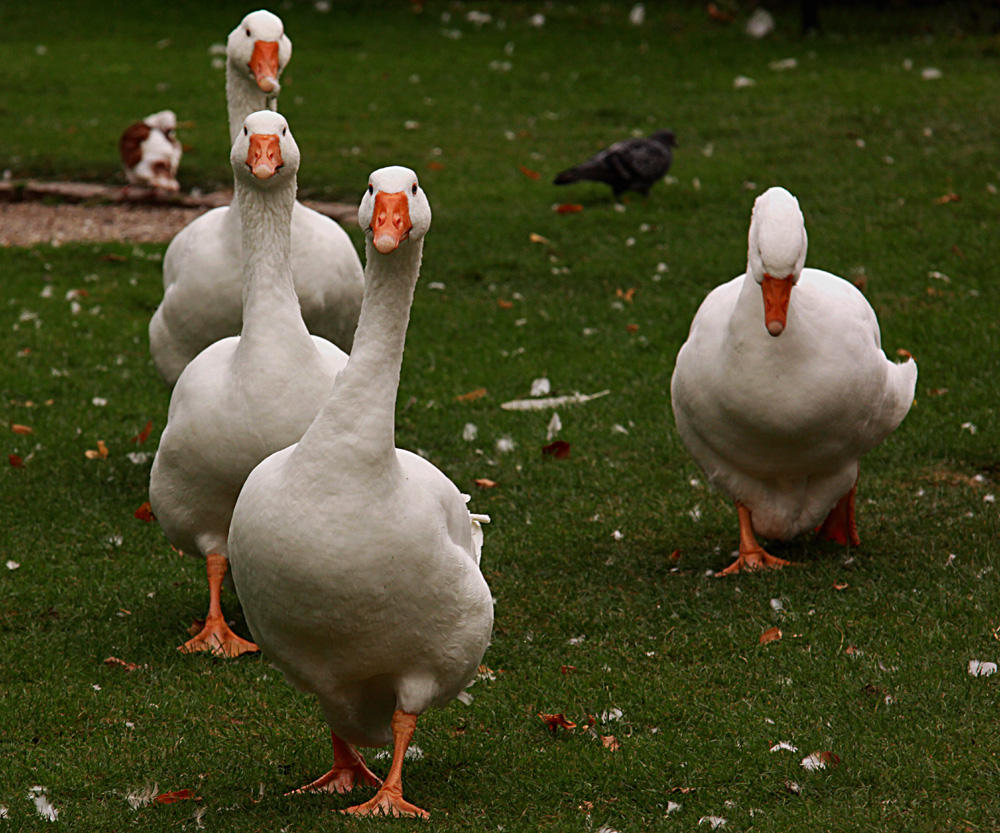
(946, 198)
(485, 483)
(632, 328)
(537, 238)
(471, 396)
(937, 391)
(569, 208)
(850, 650)
(840, 585)
(906, 354)
(435, 166)
(567, 669)
(529, 173)
(145, 513)
(770, 635)
(128, 666)
(143, 435)
(718, 15)
(676, 555)
(114, 258)
(16, 461)
(559, 449)
(555, 721)
(100, 453)
(21, 429)
(627, 294)
(177, 795)
(504, 304)
(610, 742)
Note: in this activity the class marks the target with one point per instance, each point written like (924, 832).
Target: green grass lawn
(873, 663)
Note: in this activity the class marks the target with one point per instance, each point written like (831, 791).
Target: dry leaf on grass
(947, 198)
(529, 173)
(100, 453)
(560, 449)
(111, 662)
(485, 483)
(555, 721)
(21, 429)
(145, 513)
(568, 208)
(610, 742)
(504, 304)
(840, 585)
(567, 669)
(820, 760)
(632, 328)
(176, 795)
(471, 396)
(143, 435)
(16, 461)
(770, 635)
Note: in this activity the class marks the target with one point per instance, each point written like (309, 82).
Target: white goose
(202, 274)
(778, 410)
(244, 397)
(357, 563)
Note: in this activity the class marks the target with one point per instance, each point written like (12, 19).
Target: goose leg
(840, 525)
(752, 555)
(389, 798)
(216, 636)
(348, 766)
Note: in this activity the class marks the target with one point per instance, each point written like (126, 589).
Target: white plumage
(244, 397)
(202, 276)
(357, 562)
(778, 410)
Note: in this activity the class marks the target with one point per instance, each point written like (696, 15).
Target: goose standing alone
(202, 272)
(243, 397)
(778, 410)
(357, 563)
(151, 153)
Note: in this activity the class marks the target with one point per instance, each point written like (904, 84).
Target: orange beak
(264, 155)
(390, 221)
(264, 65)
(776, 291)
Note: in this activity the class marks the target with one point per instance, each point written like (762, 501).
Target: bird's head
(665, 137)
(165, 121)
(259, 49)
(394, 209)
(265, 151)
(776, 252)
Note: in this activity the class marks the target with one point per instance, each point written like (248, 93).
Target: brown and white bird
(629, 165)
(151, 153)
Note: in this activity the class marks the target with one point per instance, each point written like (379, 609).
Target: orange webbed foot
(388, 803)
(341, 779)
(216, 636)
(755, 560)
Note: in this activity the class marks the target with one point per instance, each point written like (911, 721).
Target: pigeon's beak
(264, 155)
(777, 292)
(390, 221)
(264, 65)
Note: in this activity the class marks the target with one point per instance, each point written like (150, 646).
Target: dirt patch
(103, 213)
(31, 223)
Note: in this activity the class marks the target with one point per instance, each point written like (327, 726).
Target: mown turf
(874, 671)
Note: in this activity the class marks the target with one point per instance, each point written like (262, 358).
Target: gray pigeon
(630, 165)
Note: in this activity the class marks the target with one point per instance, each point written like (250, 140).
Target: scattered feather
(505, 445)
(819, 760)
(12, 565)
(140, 457)
(714, 822)
(554, 427)
(793, 788)
(930, 73)
(760, 24)
(537, 20)
(741, 82)
(614, 713)
(43, 806)
(777, 605)
(784, 746)
(783, 64)
(541, 386)
(111, 662)
(576, 640)
(966, 426)
(99, 401)
(981, 669)
(470, 432)
(551, 402)
(617, 535)
(637, 16)
(465, 698)
(672, 807)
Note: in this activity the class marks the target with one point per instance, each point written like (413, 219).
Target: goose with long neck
(782, 386)
(202, 275)
(247, 396)
(357, 563)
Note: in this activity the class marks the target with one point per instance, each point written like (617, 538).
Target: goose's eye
(371, 188)
(245, 132)
(284, 131)
(414, 188)
(248, 33)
